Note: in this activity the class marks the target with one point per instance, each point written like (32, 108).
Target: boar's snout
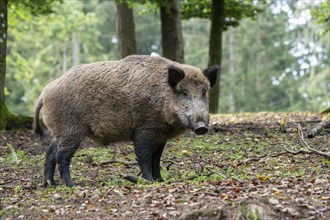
(201, 128)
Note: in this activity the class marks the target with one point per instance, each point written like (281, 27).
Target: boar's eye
(185, 93)
(204, 92)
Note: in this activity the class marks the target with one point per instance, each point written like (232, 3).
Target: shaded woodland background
(278, 60)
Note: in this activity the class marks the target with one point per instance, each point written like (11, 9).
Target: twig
(171, 162)
(264, 156)
(301, 135)
(317, 128)
(8, 181)
(309, 150)
(220, 174)
(115, 160)
(132, 178)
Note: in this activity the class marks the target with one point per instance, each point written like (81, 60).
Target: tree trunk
(231, 69)
(75, 50)
(125, 30)
(3, 50)
(7, 119)
(64, 59)
(3, 47)
(172, 40)
(215, 48)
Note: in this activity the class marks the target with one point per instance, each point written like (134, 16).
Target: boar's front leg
(143, 157)
(66, 150)
(144, 142)
(155, 160)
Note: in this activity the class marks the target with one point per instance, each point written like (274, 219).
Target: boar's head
(190, 86)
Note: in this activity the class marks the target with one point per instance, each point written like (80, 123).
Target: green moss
(9, 120)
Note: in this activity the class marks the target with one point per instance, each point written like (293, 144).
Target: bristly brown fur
(126, 100)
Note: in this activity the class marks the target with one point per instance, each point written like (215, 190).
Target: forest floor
(206, 177)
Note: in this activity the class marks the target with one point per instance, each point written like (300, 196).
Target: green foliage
(36, 7)
(269, 73)
(234, 10)
(322, 15)
(274, 69)
(41, 48)
(16, 156)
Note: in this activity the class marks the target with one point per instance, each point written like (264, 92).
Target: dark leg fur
(143, 157)
(50, 164)
(143, 152)
(148, 149)
(155, 160)
(66, 150)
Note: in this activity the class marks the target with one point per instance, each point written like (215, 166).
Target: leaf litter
(205, 177)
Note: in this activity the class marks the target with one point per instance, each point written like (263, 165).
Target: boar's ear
(211, 74)
(175, 75)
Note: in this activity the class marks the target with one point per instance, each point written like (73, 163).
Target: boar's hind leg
(155, 160)
(50, 163)
(66, 150)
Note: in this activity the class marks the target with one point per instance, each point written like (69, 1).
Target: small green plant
(17, 189)
(16, 156)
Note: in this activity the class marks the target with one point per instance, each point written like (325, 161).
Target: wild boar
(143, 99)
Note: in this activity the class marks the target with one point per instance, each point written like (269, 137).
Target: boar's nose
(201, 129)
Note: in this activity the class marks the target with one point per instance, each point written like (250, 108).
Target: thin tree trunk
(231, 69)
(4, 113)
(65, 59)
(257, 66)
(3, 47)
(75, 50)
(215, 48)
(7, 119)
(125, 30)
(172, 40)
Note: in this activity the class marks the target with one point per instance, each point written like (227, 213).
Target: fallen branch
(301, 135)
(8, 181)
(132, 178)
(317, 128)
(170, 163)
(309, 150)
(253, 159)
(220, 174)
(115, 160)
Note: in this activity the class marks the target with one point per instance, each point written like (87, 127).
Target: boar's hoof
(68, 183)
(201, 130)
(159, 179)
(49, 183)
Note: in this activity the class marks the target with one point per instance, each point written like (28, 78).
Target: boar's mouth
(200, 128)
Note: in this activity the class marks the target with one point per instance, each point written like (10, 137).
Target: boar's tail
(37, 129)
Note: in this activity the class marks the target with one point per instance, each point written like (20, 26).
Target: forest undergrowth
(256, 165)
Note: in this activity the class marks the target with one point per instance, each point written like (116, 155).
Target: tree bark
(3, 50)
(3, 46)
(215, 49)
(75, 50)
(172, 40)
(125, 30)
(7, 119)
(64, 59)
(231, 69)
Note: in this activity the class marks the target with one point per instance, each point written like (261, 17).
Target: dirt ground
(249, 166)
